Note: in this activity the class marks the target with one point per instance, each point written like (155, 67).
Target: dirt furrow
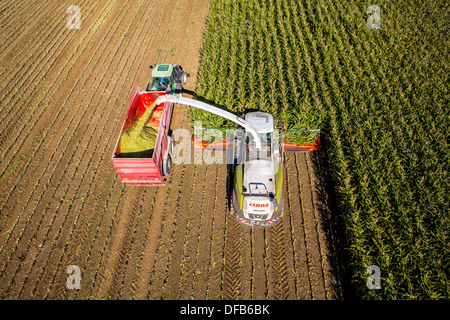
(97, 245)
(163, 242)
(310, 226)
(192, 234)
(289, 253)
(297, 230)
(231, 271)
(204, 244)
(324, 252)
(255, 262)
(218, 234)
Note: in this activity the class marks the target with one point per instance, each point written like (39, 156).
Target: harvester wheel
(184, 78)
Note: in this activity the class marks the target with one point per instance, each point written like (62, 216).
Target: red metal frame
(144, 171)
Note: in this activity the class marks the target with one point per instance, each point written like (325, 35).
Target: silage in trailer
(139, 140)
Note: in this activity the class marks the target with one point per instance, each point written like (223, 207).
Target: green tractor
(167, 77)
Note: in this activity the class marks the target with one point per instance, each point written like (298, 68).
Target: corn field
(380, 95)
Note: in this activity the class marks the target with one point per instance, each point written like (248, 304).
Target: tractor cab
(167, 76)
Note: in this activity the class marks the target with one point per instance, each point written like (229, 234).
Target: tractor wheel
(167, 165)
(167, 162)
(184, 78)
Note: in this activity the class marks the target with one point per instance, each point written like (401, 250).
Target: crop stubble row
(33, 188)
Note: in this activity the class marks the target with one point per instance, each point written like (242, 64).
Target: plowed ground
(64, 95)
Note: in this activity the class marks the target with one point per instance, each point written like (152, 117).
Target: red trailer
(149, 170)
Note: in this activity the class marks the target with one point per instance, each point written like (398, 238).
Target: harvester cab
(167, 77)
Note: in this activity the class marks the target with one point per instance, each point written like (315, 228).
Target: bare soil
(64, 97)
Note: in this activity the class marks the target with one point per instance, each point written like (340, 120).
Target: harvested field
(64, 96)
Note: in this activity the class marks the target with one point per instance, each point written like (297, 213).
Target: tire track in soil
(148, 254)
(248, 263)
(96, 247)
(180, 222)
(289, 253)
(162, 253)
(121, 243)
(79, 252)
(129, 276)
(164, 248)
(255, 261)
(278, 279)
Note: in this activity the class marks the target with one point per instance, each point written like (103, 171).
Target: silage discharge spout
(217, 111)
